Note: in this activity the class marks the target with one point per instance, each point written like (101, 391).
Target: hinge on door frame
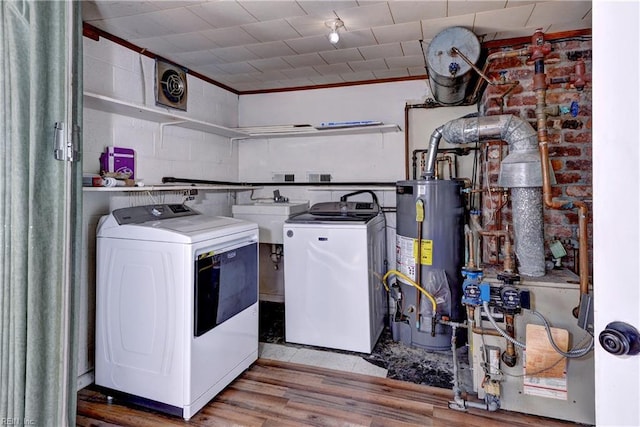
(64, 149)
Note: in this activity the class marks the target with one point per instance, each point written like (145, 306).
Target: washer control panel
(140, 214)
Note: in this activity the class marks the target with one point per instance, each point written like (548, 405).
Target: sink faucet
(278, 198)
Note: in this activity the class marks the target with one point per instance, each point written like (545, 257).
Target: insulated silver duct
(520, 170)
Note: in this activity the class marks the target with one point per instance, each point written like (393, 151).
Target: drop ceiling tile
(411, 48)
(227, 37)
(417, 71)
(431, 27)
(132, 27)
(398, 32)
(349, 39)
(305, 60)
(569, 26)
(391, 74)
(267, 10)
(271, 49)
(327, 80)
(298, 82)
(521, 32)
(181, 20)
(236, 67)
(341, 55)
(309, 25)
(325, 9)
(558, 12)
(234, 54)
(381, 51)
(463, 7)
(189, 42)
(167, 4)
(371, 15)
(193, 59)
(405, 61)
(373, 65)
(223, 14)
(300, 72)
(333, 69)
(238, 78)
(271, 30)
(358, 77)
(505, 19)
(269, 76)
(115, 9)
(268, 64)
(211, 70)
(310, 44)
(157, 45)
(411, 11)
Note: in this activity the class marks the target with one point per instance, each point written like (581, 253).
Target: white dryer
(176, 305)
(334, 264)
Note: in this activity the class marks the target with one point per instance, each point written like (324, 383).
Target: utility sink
(270, 216)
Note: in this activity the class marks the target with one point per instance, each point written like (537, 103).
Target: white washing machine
(334, 263)
(176, 305)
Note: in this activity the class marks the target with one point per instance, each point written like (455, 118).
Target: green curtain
(40, 211)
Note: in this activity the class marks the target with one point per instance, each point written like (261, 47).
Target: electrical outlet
(282, 177)
(318, 177)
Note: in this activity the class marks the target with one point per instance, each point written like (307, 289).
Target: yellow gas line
(412, 283)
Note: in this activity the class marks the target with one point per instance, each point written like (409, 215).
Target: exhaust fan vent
(171, 86)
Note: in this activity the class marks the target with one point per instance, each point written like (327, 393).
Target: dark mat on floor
(402, 362)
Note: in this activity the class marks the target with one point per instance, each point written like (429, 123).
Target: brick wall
(569, 140)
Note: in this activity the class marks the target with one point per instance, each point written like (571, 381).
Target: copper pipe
(492, 57)
(540, 86)
(508, 257)
(483, 331)
(482, 73)
(470, 245)
(509, 357)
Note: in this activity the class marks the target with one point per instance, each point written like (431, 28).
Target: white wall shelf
(171, 187)
(125, 108)
(328, 132)
(166, 118)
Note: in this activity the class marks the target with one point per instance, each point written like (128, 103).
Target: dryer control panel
(140, 214)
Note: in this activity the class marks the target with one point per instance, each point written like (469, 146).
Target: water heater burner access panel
(140, 214)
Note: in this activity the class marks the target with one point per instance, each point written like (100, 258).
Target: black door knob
(621, 339)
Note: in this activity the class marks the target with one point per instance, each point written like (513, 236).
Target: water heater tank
(430, 253)
(449, 73)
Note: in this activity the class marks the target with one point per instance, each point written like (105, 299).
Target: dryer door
(225, 284)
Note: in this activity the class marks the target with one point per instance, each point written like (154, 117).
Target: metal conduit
(520, 170)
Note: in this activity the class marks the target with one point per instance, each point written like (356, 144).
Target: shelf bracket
(163, 125)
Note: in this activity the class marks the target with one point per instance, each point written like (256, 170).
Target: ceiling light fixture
(333, 25)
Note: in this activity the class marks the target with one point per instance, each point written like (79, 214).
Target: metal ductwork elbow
(520, 171)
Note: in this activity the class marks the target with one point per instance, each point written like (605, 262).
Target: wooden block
(542, 360)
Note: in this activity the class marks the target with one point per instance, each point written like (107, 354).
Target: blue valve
(575, 108)
(454, 67)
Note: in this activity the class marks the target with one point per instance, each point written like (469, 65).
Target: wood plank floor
(274, 393)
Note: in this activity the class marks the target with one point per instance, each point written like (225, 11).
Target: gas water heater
(429, 253)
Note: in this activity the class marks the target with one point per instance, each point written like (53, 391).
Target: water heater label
(407, 254)
(426, 252)
(405, 258)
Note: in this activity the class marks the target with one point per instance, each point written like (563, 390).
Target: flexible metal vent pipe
(520, 171)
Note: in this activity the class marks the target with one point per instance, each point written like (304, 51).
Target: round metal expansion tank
(441, 254)
(449, 73)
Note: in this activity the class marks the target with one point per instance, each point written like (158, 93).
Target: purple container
(118, 160)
